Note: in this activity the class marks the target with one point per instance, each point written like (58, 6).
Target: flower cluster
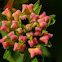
(21, 33)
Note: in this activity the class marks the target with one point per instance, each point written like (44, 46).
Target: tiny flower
(20, 30)
(5, 22)
(32, 15)
(37, 33)
(23, 17)
(41, 20)
(12, 36)
(43, 24)
(6, 44)
(36, 17)
(28, 27)
(31, 43)
(46, 37)
(22, 47)
(16, 14)
(29, 34)
(35, 40)
(5, 28)
(47, 18)
(37, 29)
(42, 15)
(14, 24)
(34, 51)
(7, 13)
(15, 46)
(32, 21)
(34, 24)
(23, 38)
(2, 40)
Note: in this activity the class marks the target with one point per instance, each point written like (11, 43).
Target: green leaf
(45, 51)
(8, 38)
(36, 5)
(34, 60)
(52, 20)
(26, 56)
(38, 10)
(0, 24)
(3, 33)
(3, 17)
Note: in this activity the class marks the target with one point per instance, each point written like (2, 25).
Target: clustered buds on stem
(21, 34)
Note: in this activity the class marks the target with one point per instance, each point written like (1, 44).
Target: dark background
(51, 7)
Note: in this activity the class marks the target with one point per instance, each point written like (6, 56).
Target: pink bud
(35, 40)
(37, 33)
(46, 37)
(31, 43)
(16, 14)
(37, 29)
(34, 51)
(43, 24)
(14, 24)
(20, 30)
(41, 20)
(28, 28)
(22, 47)
(15, 46)
(29, 34)
(42, 15)
(32, 21)
(32, 16)
(47, 18)
(7, 13)
(23, 17)
(2, 40)
(24, 6)
(5, 22)
(30, 8)
(12, 36)
(5, 28)
(6, 44)
(36, 17)
(23, 38)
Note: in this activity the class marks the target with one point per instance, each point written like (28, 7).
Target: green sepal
(34, 60)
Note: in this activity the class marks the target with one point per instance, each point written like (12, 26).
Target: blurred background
(51, 7)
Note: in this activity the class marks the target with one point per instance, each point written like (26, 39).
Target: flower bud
(28, 27)
(37, 33)
(2, 40)
(20, 30)
(14, 24)
(43, 24)
(32, 16)
(5, 22)
(29, 34)
(35, 40)
(12, 36)
(36, 17)
(22, 47)
(16, 14)
(23, 17)
(47, 18)
(15, 46)
(31, 43)
(5, 28)
(37, 29)
(46, 37)
(6, 44)
(42, 15)
(34, 51)
(32, 21)
(41, 20)
(7, 13)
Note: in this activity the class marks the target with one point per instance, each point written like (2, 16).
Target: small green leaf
(36, 5)
(45, 51)
(34, 60)
(38, 10)
(26, 55)
(8, 38)
(3, 17)
(52, 20)
(3, 33)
